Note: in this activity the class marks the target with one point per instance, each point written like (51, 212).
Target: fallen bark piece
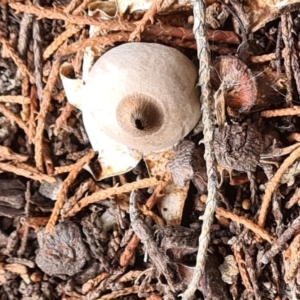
(162, 263)
(294, 259)
(280, 243)
(238, 147)
(63, 251)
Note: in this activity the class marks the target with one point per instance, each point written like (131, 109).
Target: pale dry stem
(116, 294)
(15, 99)
(62, 119)
(14, 56)
(242, 269)
(92, 283)
(104, 194)
(26, 171)
(150, 203)
(287, 38)
(149, 15)
(129, 251)
(64, 189)
(59, 40)
(63, 169)
(273, 184)
(294, 259)
(71, 6)
(282, 112)
(13, 118)
(46, 99)
(7, 154)
(208, 129)
(33, 111)
(221, 212)
(294, 199)
(262, 58)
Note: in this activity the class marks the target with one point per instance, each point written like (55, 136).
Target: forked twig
(208, 127)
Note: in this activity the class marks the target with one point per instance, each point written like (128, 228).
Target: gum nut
(143, 96)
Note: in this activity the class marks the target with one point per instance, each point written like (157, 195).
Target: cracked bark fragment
(188, 164)
(279, 244)
(63, 251)
(238, 147)
(160, 260)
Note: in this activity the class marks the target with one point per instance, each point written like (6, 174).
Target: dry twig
(116, 294)
(295, 198)
(273, 184)
(262, 58)
(221, 212)
(26, 171)
(64, 189)
(14, 56)
(15, 99)
(62, 119)
(7, 154)
(13, 118)
(133, 243)
(101, 195)
(241, 265)
(294, 259)
(129, 251)
(92, 283)
(47, 92)
(208, 129)
(58, 41)
(282, 112)
(286, 28)
(279, 244)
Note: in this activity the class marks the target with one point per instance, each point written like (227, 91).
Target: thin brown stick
(25, 113)
(133, 243)
(12, 117)
(14, 56)
(295, 198)
(82, 6)
(282, 112)
(15, 99)
(294, 259)
(129, 251)
(280, 243)
(221, 212)
(71, 6)
(208, 121)
(287, 38)
(33, 111)
(273, 184)
(64, 189)
(92, 283)
(62, 119)
(241, 265)
(22, 170)
(7, 154)
(37, 55)
(42, 115)
(104, 194)
(262, 58)
(59, 40)
(63, 169)
(116, 294)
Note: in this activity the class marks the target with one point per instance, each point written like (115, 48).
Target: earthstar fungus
(138, 101)
(142, 95)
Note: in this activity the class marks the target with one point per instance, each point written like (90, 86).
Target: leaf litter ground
(64, 235)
